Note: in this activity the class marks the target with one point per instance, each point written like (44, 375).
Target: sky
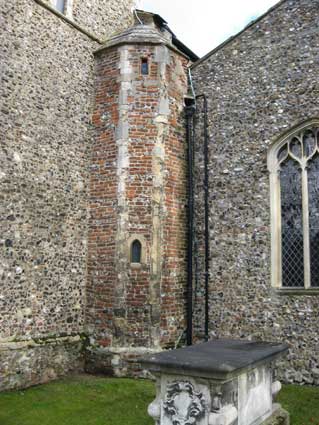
(204, 24)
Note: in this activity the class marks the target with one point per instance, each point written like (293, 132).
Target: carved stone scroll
(183, 405)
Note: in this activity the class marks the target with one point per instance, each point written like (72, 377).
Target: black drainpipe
(206, 206)
(189, 114)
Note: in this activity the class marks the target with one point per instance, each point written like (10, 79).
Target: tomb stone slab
(220, 382)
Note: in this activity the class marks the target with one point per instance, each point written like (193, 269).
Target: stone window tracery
(293, 163)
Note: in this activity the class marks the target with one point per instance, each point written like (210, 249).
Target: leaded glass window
(294, 184)
(291, 224)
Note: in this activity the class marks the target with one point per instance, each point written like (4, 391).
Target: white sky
(204, 24)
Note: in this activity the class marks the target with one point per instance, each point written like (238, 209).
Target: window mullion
(276, 258)
(305, 222)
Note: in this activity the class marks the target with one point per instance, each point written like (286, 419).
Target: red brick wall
(131, 306)
(103, 204)
(173, 303)
(142, 133)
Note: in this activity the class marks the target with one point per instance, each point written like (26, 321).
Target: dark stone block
(219, 358)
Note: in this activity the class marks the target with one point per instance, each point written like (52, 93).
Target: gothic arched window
(293, 163)
(136, 251)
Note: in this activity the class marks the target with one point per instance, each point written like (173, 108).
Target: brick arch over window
(293, 163)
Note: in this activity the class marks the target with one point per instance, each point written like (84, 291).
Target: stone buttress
(137, 229)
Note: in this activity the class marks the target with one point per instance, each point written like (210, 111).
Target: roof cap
(149, 28)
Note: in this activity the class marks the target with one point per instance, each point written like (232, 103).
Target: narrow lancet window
(144, 66)
(136, 251)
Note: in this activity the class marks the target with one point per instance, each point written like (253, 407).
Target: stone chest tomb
(220, 382)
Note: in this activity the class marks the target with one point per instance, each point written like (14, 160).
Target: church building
(153, 199)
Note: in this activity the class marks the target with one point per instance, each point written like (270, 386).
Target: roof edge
(163, 25)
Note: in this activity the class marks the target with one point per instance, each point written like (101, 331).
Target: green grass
(302, 403)
(79, 401)
(87, 400)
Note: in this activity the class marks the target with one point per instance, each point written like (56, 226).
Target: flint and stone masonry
(46, 105)
(259, 85)
(93, 163)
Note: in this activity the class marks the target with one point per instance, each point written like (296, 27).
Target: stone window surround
(68, 20)
(148, 61)
(68, 7)
(275, 208)
(136, 251)
(141, 239)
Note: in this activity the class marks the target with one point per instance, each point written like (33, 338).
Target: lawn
(302, 403)
(104, 401)
(82, 400)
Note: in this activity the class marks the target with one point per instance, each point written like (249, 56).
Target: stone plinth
(220, 382)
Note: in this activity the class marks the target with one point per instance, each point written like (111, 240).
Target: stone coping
(218, 359)
(139, 34)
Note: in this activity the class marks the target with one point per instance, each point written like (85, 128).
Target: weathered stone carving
(154, 409)
(217, 402)
(222, 415)
(275, 389)
(183, 404)
(225, 416)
